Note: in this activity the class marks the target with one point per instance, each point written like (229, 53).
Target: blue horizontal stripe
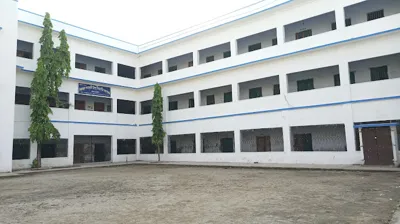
(281, 109)
(95, 123)
(244, 64)
(376, 125)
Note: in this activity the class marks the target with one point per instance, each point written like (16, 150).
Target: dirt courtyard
(171, 194)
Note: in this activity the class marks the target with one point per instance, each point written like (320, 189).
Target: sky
(135, 21)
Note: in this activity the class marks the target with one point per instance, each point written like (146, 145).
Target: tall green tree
(51, 67)
(156, 111)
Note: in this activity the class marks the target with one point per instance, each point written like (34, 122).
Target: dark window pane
(303, 85)
(125, 107)
(375, 15)
(303, 142)
(352, 77)
(126, 146)
(336, 80)
(99, 106)
(21, 149)
(379, 73)
(99, 69)
(255, 47)
(333, 26)
(80, 105)
(63, 101)
(159, 71)
(173, 105)
(210, 100)
(190, 64)
(227, 97)
(147, 147)
(173, 68)
(126, 71)
(274, 41)
(227, 145)
(80, 65)
(209, 59)
(255, 92)
(348, 22)
(191, 103)
(22, 95)
(147, 76)
(55, 148)
(277, 89)
(227, 54)
(303, 34)
(24, 49)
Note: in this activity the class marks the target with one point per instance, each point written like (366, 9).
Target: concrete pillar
(395, 143)
(340, 18)
(166, 144)
(197, 98)
(350, 137)
(280, 34)
(234, 50)
(283, 84)
(361, 139)
(138, 148)
(138, 73)
(114, 69)
(196, 58)
(287, 139)
(114, 104)
(235, 92)
(8, 61)
(198, 142)
(344, 73)
(164, 66)
(238, 141)
(114, 147)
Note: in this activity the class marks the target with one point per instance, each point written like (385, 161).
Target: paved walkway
(202, 164)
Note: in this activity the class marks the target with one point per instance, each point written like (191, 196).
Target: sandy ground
(162, 194)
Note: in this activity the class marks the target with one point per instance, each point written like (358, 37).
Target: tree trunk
(39, 156)
(158, 152)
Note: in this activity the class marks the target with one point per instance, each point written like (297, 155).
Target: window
(255, 47)
(228, 97)
(191, 103)
(379, 73)
(24, 49)
(99, 106)
(303, 142)
(209, 59)
(173, 146)
(21, 149)
(348, 22)
(80, 65)
(227, 54)
(357, 136)
(126, 146)
(99, 69)
(190, 64)
(352, 77)
(375, 15)
(146, 107)
(125, 107)
(210, 100)
(277, 89)
(173, 105)
(336, 80)
(333, 26)
(303, 34)
(147, 76)
(54, 148)
(22, 95)
(255, 92)
(159, 71)
(63, 101)
(173, 68)
(80, 105)
(274, 41)
(303, 85)
(126, 71)
(226, 145)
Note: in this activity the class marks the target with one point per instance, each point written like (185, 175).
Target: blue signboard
(94, 90)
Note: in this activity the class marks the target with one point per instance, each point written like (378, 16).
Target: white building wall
(249, 139)
(267, 86)
(265, 38)
(8, 46)
(216, 51)
(358, 13)
(322, 78)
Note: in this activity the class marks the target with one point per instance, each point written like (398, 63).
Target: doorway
(377, 144)
(89, 149)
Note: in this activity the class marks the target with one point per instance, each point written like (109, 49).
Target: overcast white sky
(135, 21)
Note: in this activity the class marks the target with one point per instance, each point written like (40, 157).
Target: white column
(395, 143)
(198, 142)
(235, 92)
(238, 143)
(287, 139)
(283, 84)
(280, 34)
(114, 69)
(165, 66)
(33, 152)
(71, 143)
(196, 58)
(234, 50)
(114, 103)
(344, 73)
(197, 98)
(138, 72)
(350, 137)
(166, 143)
(360, 135)
(114, 145)
(340, 18)
(138, 148)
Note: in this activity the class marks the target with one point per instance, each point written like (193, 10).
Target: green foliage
(35, 164)
(156, 110)
(51, 67)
